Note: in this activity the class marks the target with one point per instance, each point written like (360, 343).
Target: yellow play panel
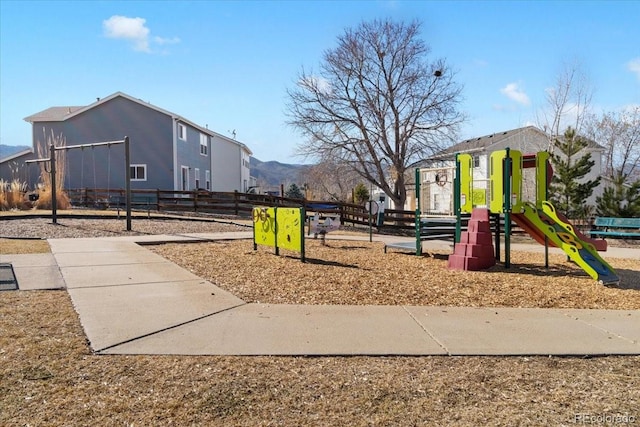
(279, 228)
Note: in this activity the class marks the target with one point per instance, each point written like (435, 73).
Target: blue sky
(228, 64)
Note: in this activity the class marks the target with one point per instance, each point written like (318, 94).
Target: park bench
(616, 227)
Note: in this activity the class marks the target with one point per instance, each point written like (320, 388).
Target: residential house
(437, 181)
(225, 164)
(167, 151)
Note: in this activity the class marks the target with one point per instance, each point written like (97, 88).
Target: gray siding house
(168, 152)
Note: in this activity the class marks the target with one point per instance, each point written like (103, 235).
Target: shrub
(361, 193)
(44, 199)
(12, 195)
(44, 189)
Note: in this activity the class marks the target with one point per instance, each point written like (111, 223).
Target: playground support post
(457, 203)
(303, 215)
(370, 226)
(417, 220)
(54, 201)
(496, 217)
(127, 160)
(52, 172)
(507, 208)
(543, 170)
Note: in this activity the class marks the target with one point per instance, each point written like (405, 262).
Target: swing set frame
(52, 170)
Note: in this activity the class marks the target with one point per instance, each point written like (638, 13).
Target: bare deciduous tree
(619, 133)
(329, 180)
(568, 103)
(377, 104)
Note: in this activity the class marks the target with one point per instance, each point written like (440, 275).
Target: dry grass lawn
(13, 246)
(49, 377)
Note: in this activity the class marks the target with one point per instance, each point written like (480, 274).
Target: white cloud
(135, 31)
(132, 29)
(634, 67)
(515, 93)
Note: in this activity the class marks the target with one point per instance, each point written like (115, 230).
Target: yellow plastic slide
(562, 234)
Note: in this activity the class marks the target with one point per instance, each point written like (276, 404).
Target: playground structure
(51, 161)
(539, 218)
(279, 228)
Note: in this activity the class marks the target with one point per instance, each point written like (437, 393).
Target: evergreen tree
(566, 191)
(294, 192)
(361, 194)
(621, 200)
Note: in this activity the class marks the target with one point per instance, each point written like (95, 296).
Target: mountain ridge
(274, 173)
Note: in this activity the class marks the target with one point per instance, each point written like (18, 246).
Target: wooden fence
(234, 203)
(241, 204)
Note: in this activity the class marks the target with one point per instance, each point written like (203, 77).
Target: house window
(182, 132)
(203, 144)
(138, 172)
(207, 178)
(185, 178)
(197, 175)
(476, 162)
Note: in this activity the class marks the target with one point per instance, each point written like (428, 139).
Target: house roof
(484, 143)
(16, 155)
(52, 114)
(59, 114)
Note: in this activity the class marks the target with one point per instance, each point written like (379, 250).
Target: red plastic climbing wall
(475, 250)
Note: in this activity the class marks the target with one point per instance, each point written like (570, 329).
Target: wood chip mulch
(348, 272)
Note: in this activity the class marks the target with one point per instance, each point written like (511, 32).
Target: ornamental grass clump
(44, 198)
(12, 195)
(44, 188)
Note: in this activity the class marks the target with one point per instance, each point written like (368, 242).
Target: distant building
(168, 152)
(437, 184)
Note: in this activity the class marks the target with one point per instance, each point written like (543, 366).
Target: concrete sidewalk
(132, 301)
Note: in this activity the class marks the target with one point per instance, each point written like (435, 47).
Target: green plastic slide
(546, 223)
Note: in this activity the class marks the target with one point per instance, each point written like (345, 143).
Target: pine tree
(361, 194)
(294, 192)
(566, 191)
(621, 200)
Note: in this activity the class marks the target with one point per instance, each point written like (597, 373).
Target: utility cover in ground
(8, 280)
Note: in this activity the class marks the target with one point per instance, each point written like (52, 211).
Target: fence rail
(241, 204)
